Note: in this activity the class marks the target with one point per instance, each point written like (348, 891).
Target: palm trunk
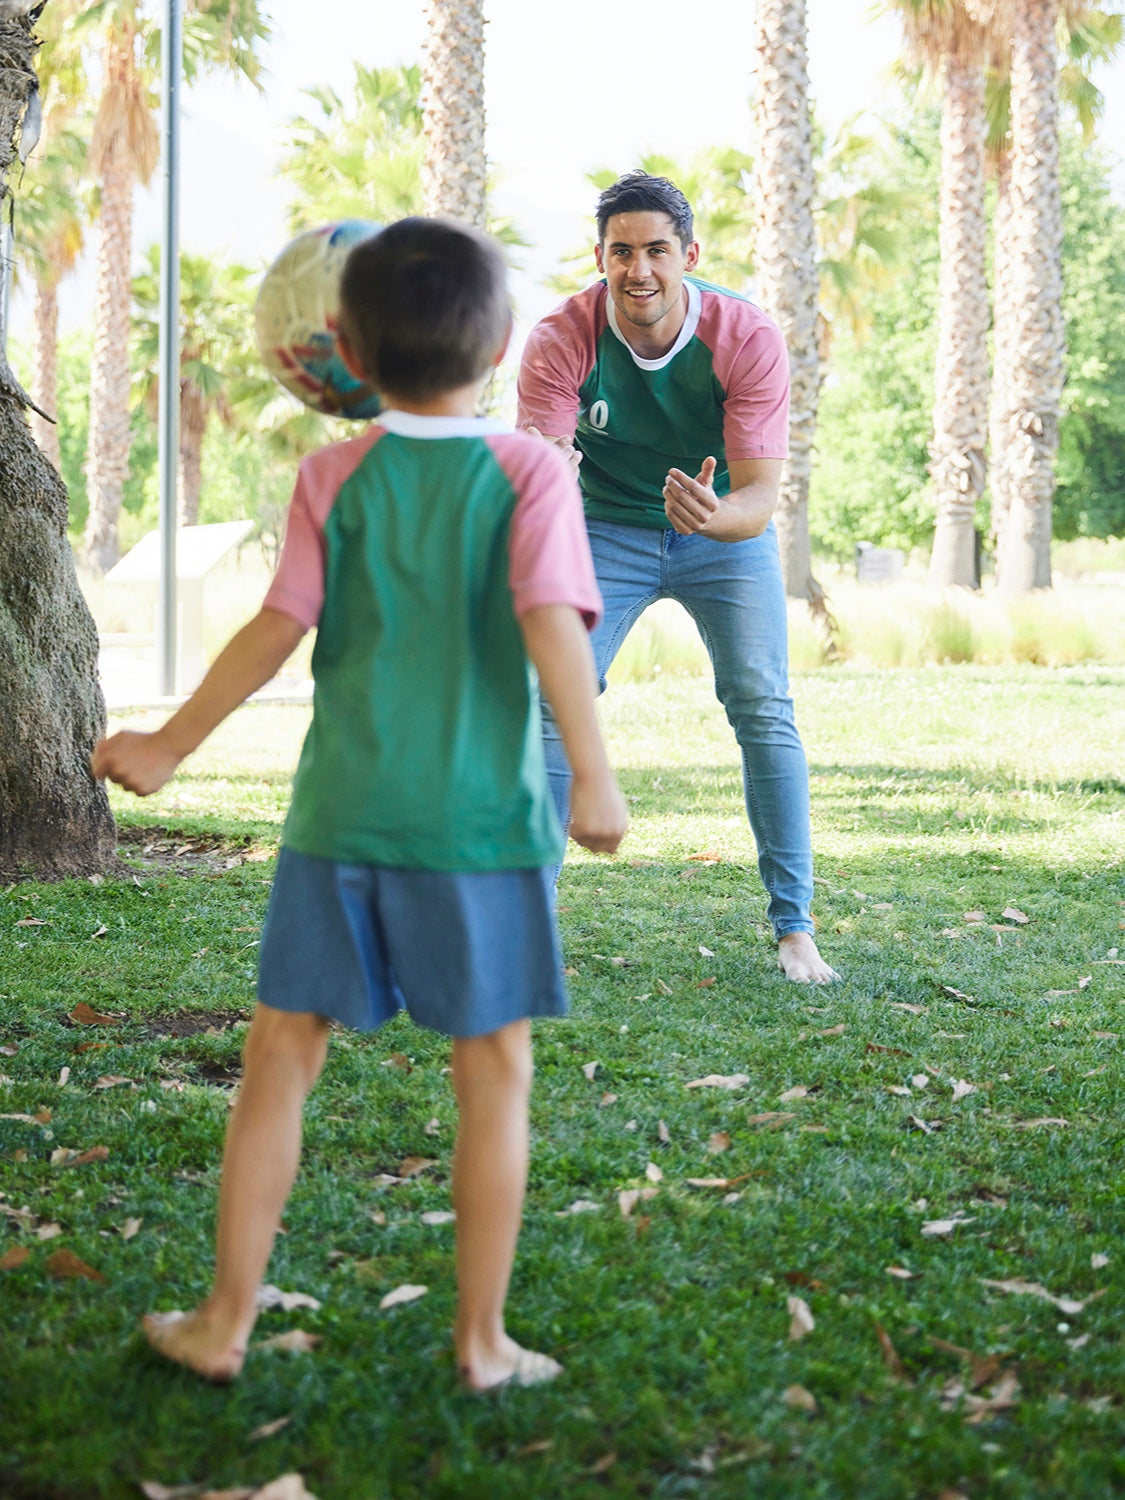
(454, 170)
(46, 388)
(1036, 333)
(1001, 350)
(961, 390)
(107, 453)
(786, 262)
(54, 818)
(193, 425)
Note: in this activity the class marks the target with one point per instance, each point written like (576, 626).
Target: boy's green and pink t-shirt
(414, 549)
(722, 390)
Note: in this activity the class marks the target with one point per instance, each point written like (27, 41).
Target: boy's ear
(498, 357)
(351, 362)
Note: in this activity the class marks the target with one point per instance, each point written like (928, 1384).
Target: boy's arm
(557, 643)
(142, 763)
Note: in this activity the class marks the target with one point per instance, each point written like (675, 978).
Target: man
(649, 378)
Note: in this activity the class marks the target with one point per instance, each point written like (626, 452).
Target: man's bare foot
(191, 1339)
(799, 959)
(509, 1364)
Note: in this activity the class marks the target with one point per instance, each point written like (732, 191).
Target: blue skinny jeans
(734, 593)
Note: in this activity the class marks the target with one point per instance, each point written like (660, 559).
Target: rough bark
(54, 818)
(193, 427)
(1000, 499)
(786, 262)
(47, 368)
(957, 449)
(107, 454)
(1036, 333)
(454, 168)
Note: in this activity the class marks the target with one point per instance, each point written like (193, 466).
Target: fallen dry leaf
(86, 1015)
(707, 857)
(834, 1030)
(958, 994)
(1097, 1260)
(900, 1273)
(772, 1119)
(927, 1127)
(413, 1166)
(663, 1134)
(890, 1353)
(900, 1089)
(404, 1293)
(920, 1081)
(590, 1069)
(273, 1296)
(579, 1206)
(64, 1077)
(130, 1228)
(14, 1257)
(719, 1081)
(719, 1142)
(542, 1445)
(976, 916)
(799, 1398)
(267, 1429)
(606, 1100)
(288, 1487)
(1013, 914)
(893, 1051)
(961, 1089)
(1002, 1398)
(935, 1227)
(798, 1091)
(1035, 1124)
(801, 1319)
(628, 1198)
(439, 1216)
(110, 1081)
(296, 1341)
(706, 952)
(915, 1010)
(1069, 1305)
(653, 1172)
(64, 1156)
(64, 1264)
(705, 984)
(606, 1461)
(432, 1127)
(32, 922)
(48, 1231)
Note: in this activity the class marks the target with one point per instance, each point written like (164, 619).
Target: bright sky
(568, 89)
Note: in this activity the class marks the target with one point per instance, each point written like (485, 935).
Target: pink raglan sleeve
(298, 584)
(556, 359)
(751, 364)
(548, 551)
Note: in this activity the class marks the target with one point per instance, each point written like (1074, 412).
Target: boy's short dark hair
(424, 306)
(641, 193)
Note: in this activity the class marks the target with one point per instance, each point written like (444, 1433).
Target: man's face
(644, 265)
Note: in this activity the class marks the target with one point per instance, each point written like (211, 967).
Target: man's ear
(691, 256)
(599, 259)
(351, 361)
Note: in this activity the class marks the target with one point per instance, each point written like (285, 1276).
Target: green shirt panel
(425, 748)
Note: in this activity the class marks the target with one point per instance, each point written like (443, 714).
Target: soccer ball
(295, 320)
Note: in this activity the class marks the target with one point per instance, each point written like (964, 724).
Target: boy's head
(424, 307)
(640, 193)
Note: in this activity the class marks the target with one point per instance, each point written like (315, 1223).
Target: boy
(436, 554)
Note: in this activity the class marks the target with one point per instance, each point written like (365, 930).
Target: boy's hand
(141, 763)
(598, 817)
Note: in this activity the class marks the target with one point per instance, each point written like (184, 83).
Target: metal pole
(168, 428)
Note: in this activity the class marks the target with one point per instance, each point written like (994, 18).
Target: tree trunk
(193, 425)
(107, 453)
(47, 367)
(1001, 352)
(785, 260)
(1036, 334)
(54, 818)
(961, 388)
(454, 169)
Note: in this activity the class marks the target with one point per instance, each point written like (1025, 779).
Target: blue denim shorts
(465, 953)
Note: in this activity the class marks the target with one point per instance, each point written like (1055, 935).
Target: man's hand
(565, 444)
(598, 817)
(690, 503)
(141, 763)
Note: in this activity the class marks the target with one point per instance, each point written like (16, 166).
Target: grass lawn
(952, 1110)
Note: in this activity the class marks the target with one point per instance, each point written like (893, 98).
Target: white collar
(686, 333)
(413, 424)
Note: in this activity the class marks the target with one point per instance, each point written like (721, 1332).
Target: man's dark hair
(640, 193)
(424, 306)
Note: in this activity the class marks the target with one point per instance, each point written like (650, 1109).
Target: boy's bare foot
(191, 1339)
(799, 959)
(507, 1365)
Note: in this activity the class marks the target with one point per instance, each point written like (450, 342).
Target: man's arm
(691, 505)
(142, 763)
(559, 647)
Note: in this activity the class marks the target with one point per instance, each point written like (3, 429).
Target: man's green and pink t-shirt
(414, 549)
(722, 390)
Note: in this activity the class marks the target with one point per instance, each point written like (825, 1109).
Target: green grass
(936, 794)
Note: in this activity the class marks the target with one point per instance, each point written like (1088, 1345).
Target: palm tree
(786, 263)
(54, 818)
(216, 319)
(455, 170)
(953, 45)
(124, 149)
